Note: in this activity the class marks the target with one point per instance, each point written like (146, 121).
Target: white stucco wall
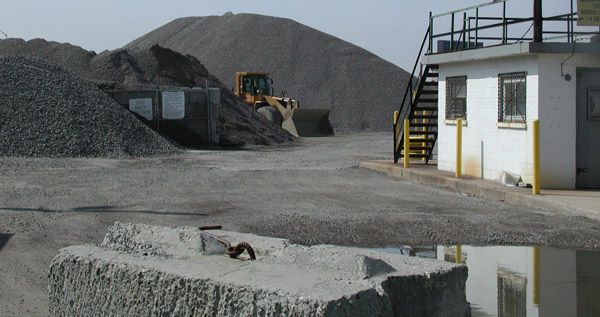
(557, 114)
(504, 149)
(510, 149)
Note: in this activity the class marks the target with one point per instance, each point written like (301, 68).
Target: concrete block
(143, 270)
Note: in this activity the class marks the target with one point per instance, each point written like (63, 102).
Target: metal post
(209, 113)
(469, 34)
(157, 107)
(464, 35)
(452, 34)
(570, 25)
(503, 22)
(568, 30)
(396, 132)
(430, 33)
(536, 157)
(406, 143)
(458, 148)
(476, 26)
(537, 21)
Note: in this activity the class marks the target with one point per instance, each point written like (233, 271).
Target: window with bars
(456, 97)
(512, 96)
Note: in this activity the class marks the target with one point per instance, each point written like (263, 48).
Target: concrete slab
(152, 270)
(569, 202)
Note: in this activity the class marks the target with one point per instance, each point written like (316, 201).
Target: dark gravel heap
(147, 69)
(46, 111)
(320, 70)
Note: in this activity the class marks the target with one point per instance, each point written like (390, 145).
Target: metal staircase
(421, 109)
(423, 117)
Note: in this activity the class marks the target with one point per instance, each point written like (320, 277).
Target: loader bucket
(290, 127)
(312, 122)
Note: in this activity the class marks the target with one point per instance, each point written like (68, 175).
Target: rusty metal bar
(232, 251)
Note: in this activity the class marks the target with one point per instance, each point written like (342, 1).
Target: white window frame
(451, 99)
(519, 78)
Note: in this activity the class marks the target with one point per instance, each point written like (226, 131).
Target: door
(588, 128)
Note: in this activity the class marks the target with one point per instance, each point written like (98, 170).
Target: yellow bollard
(406, 142)
(536, 157)
(458, 148)
(536, 276)
(424, 144)
(396, 131)
(459, 254)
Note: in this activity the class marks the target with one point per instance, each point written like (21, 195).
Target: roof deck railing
(477, 30)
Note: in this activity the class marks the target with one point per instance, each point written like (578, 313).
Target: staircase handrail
(409, 87)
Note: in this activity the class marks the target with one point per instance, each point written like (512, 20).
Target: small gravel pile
(322, 71)
(149, 68)
(46, 111)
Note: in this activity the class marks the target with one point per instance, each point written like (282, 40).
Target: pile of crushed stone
(361, 89)
(45, 111)
(150, 68)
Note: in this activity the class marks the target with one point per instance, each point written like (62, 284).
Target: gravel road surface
(310, 191)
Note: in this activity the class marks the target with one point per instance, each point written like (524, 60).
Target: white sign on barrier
(141, 106)
(173, 105)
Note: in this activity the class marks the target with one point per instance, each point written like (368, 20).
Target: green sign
(588, 12)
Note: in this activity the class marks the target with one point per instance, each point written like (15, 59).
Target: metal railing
(407, 99)
(470, 35)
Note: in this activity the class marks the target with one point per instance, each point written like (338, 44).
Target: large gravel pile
(320, 70)
(47, 111)
(149, 68)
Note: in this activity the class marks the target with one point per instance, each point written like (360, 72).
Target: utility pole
(537, 21)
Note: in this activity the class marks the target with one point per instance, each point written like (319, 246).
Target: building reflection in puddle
(526, 281)
(523, 281)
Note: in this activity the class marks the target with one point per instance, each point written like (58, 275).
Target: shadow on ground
(109, 209)
(4, 237)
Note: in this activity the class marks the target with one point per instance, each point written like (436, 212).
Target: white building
(507, 87)
(499, 74)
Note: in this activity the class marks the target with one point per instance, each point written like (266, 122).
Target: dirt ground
(310, 192)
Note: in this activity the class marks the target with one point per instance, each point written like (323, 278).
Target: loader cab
(251, 83)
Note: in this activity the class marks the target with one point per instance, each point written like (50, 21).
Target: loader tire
(271, 114)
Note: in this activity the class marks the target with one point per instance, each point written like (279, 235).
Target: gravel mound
(149, 68)
(320, 70)
(46, 111)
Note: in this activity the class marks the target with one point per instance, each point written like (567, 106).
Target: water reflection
(524, 281)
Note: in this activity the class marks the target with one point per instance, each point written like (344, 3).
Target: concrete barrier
(151, 270)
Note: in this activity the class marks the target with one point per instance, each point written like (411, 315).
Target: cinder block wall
(550, 98)
(504, 149)
(558, 124)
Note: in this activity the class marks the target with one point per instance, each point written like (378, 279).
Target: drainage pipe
(458, 148)
(536, 157)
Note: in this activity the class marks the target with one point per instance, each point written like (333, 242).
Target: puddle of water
(523, 281)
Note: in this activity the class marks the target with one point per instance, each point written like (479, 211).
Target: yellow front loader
(255, 89)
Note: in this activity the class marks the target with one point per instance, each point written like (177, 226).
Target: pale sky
(390, 29)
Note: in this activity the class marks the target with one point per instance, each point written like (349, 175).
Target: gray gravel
(322, 71)
(150, 68)
(46, 111)
(310, 192)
